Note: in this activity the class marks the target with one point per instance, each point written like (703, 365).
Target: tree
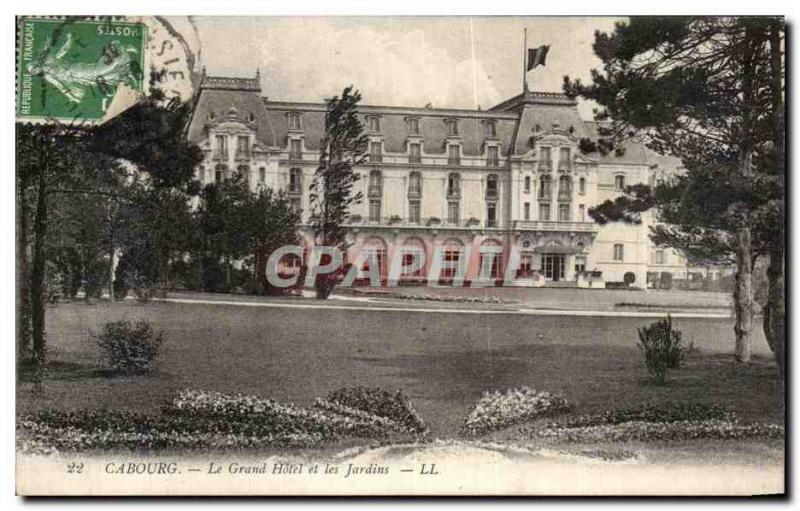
(270, 223)
(57, 161)
(332, 190)
(708, 91)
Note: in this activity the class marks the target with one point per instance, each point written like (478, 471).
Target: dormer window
(374, 123)
(491, 186)
(211, 115)
(452, 127)
(490, 128)
(545, 160)
(294, 121)
(242, 147)
(222, 147)
(251, 117)
(413, 125)
(295, 149)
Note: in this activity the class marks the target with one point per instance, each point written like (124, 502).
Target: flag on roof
(537, 56)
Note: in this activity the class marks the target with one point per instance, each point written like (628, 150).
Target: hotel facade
(439, 181)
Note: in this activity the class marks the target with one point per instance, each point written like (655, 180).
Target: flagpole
(525, 61)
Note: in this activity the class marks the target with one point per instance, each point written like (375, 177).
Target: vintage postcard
(460, 256)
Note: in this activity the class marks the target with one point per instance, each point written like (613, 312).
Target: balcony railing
(540, 225)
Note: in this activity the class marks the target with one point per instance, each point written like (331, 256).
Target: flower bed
(357, 401)
(204, 420)
(496, 410)
(643, 431)
(655, 422)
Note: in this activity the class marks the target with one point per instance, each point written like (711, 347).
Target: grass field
(444, 361)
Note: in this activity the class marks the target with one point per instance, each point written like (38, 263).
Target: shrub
(131, 346)
(392, 405)
(666, 280)
(496, 410)
(629, 278)
(667, 412)
(663, 348)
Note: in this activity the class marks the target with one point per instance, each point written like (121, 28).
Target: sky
(450, 62)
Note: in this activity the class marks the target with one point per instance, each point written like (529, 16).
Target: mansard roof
(518, 121)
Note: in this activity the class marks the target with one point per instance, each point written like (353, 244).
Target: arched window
(451, 258)
(491, 186)
(491, 129)
(295, 180)
(413, 253)
(544, 188)
(494, 270)
(527, 184)
(375, 183)
(374, 250)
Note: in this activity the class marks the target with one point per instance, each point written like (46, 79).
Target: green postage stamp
(75, 70)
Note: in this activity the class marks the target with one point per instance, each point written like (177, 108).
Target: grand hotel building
(509, 176)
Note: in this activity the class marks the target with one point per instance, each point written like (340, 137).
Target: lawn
(443, 361)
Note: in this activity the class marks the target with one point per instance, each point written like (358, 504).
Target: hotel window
(295, 149)
(527, 184)
(201, 173)
(563, 213)
(582, 185)
(544, 187)
(492, 156)
(453, 185)
(619, 182)
(374, 210)
(452, 258)
(453, 214)
(527, 211)
(453, 155)
(413, 126)
(294, 121)
(580, 264)
(262, 175)
(374, 250)
(414, 153)
(375, 152)
(544, 212)
(564, 162)
(294, 204)
(661, 257)
(491, 215)
(244, 171)
(413, 211)
(491, 129)
(452, 127)
(242, 146)
(619, 252)
(491, 186)
(415, 184)
(581, 213)
(545, 160)
(295, 180)
(222, 147)
(374, 123)
(219, 173)
(375, 183)
(564, 188)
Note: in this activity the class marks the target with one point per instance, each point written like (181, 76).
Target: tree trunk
(774, 308)
(23, 275)
(38, 271)
(774, 311)
(743, 295)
